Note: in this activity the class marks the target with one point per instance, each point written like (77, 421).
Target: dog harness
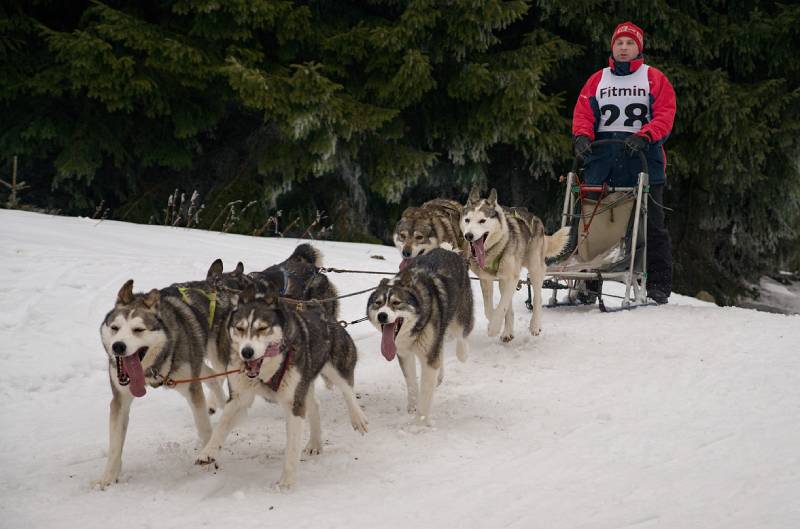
(210, 296)
(300, 279)
(495, 266)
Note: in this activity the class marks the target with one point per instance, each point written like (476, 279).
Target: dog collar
(495, 266)
(274, 383)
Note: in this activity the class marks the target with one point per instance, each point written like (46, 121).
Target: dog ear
(214, 270)
(406, 278)
(492, 197)
(384, 282)
(239, 268)
(125, 294)
(248, 294)
(474, 195)
(152, 298)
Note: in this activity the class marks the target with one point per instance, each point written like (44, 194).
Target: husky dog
(421, 229)
(298, 277)
(281, 352)
(153, 337)
(502, 241)
(428, 300)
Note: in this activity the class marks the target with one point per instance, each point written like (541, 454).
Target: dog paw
(419, 425)
(283, 485)
(103, 483)
(535, 331)
(359, 422)
(312, 449)
(507, 338)
(206, 461)
(422, 421)
(411, 407)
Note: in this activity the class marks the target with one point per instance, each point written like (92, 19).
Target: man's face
(624, 49)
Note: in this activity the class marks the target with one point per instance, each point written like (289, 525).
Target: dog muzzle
(253, 367)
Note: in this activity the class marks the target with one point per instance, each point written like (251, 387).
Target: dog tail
(309, 254)
(560, 245)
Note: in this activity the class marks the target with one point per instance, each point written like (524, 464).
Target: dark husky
(281, 351)
(429, 300)
(150, 338)
(298, 277)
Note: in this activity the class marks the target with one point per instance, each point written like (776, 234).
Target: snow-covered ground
(680, 416)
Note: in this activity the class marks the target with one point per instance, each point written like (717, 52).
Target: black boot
(659, 294)
(589, 295)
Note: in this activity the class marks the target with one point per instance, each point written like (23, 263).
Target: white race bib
(624, 101)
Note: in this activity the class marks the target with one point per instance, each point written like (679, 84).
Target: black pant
(659, 247)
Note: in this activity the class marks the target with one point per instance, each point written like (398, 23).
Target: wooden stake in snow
(13, 186)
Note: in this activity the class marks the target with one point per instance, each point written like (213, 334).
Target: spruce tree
(362, 108)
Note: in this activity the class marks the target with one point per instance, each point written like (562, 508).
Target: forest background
(328, 118)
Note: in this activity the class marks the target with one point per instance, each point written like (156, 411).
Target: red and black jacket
(586, 116)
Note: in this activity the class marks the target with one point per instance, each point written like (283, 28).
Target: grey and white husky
(502, 241)
(156, 336)
(281, 352)
(423, 228)
(429, 300)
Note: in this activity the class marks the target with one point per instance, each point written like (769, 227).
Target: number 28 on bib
(624, 101)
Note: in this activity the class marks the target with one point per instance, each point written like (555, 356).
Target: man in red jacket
(634, 102)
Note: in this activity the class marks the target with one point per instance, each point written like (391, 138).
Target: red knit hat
(629, 29)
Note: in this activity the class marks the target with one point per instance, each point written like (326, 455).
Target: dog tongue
(479, 251)
(388, 347)
(133, 368)
(404, 263)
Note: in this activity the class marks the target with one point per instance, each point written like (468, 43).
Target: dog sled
(610, 242)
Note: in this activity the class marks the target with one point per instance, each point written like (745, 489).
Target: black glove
(583, 146)
(634, 143)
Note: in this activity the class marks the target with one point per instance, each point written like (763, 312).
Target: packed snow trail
(685, 415)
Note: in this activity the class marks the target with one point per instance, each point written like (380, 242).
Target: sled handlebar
(597, 143)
